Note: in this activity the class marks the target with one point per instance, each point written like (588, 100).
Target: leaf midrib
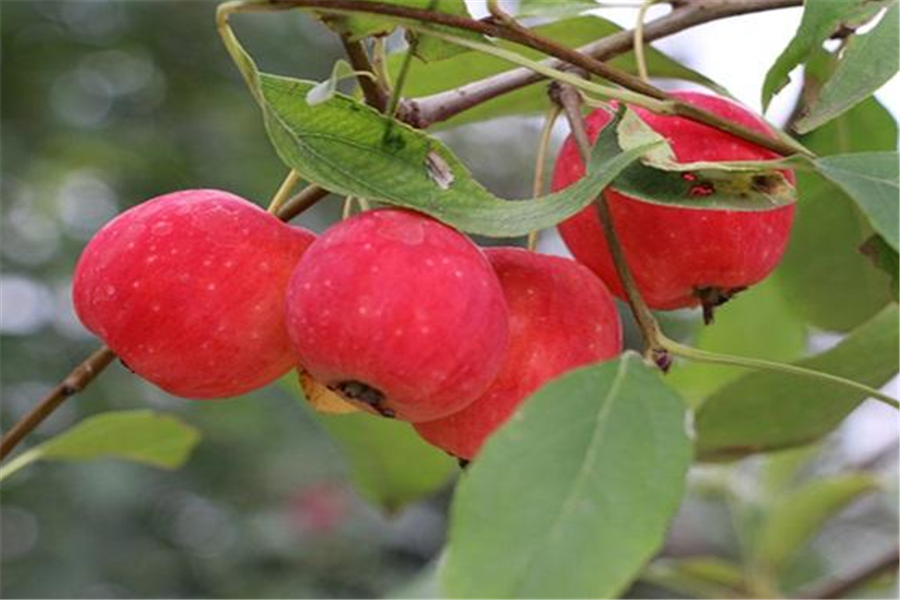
(590, 458)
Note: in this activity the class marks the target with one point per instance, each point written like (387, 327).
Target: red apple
(680, 256)
(398, 313)
(561, 317)
(188, 289)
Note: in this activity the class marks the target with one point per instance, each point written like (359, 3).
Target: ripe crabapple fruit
(398, 313)
(561, 317)
(188, 289)
(680, 256)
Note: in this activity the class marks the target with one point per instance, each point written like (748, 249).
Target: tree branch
(506, 28)
(374, 92)
(428, 110)
(74, 382)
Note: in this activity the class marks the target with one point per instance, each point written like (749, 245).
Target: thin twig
(281, 196)
(758, 364)
(436, 108)
(570, 101)
(639, 56)
(627, 80)
(840, 587)
(74, 382)
(540, 165)
(374, 92)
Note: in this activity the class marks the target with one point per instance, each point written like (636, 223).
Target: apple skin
(188, 290)
(674, 251)
(561, 317)
(398, 313)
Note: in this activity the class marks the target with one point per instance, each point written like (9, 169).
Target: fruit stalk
(764, 365)
(540, 165)
(301, 201)
(569, 100)
(639, 57)
(281, 196)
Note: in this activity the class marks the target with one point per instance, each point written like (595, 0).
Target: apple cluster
(208, 296)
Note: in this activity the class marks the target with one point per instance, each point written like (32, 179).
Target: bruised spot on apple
(188, 290)
(561, 317)
(399, 314)
(681, 257)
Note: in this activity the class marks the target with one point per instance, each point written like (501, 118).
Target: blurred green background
(106, 104)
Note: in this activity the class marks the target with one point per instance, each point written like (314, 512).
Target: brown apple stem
(639, 58)
(74, 382)
(570, 100)
(282, 195)
(303, 200)
(540, 165)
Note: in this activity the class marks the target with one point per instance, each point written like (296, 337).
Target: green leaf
(554, 8)
(872, 179)
(823, 276)
(387, 461)
(466, 67)
(885, 258)
(737, 332)
(635, 132)
(697, 577)
(795, 518)
(430, 48)
(659, 179)
(718, 189)
(764, 411)
(351, 149)
(820, 20)
(141, 436)
(781, 469)
(574, 494)
(867, 63)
